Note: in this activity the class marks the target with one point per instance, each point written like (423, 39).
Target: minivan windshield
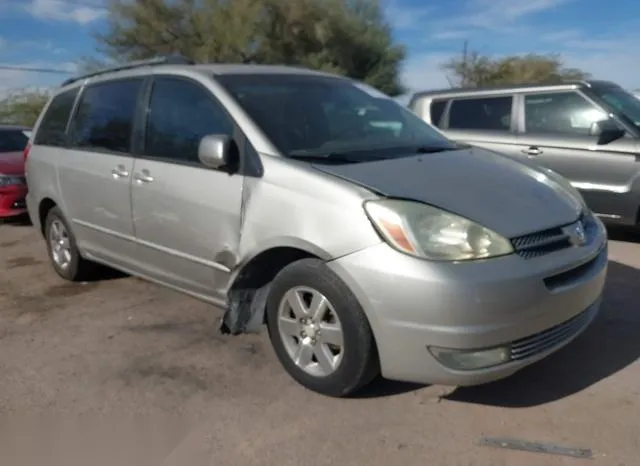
(620, 101)
(310, 116)
(12, 140)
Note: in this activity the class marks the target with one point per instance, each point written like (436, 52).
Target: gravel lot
(123, 347)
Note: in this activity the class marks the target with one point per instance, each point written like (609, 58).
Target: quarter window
(181, 113)
(105, 116)
(53, 127)
(484, 114)
(560, 113)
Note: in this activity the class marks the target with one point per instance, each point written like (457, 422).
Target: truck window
(482, 113)
(436, 111)
(560, 113)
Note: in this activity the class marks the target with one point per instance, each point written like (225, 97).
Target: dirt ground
(121, 349)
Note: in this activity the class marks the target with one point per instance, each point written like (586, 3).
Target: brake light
(26, 151)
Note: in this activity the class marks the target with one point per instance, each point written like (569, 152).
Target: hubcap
(60, 246)
(311, 331)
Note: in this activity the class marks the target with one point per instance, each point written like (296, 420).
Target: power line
(80, 3)
(84, 4)
(34, 70)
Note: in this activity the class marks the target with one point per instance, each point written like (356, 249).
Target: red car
(13, 185)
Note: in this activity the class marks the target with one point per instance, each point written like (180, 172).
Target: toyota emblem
(576, 233)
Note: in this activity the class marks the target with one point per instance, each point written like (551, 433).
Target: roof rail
(162, 60)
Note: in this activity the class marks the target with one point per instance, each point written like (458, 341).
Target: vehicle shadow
(102, 273)
(382, 388)
(19, 221)
(609, 345)
(624, 234)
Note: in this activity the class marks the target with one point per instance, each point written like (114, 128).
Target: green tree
(349, 37)
(472, 69)
(23, 107)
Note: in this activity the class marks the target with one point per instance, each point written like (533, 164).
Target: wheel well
(248, 293)
(263, 268)
(45, 206)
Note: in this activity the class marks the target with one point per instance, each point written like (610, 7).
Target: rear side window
(437, 110)
(52, 130)
(486, 113)
(105, 115)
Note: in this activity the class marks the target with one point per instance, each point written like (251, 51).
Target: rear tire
(331, 351)
(63, 250)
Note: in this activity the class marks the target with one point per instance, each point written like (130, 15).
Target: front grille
(552, 240)
(540, 243)
(546, 340)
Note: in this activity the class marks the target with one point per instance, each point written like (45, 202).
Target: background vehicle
(319, 205)
(589, 132)
(13, 187)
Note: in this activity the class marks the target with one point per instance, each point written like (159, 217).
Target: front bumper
(12, 201)
(532, 307)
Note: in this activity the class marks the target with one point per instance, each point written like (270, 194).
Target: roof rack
(162, 60)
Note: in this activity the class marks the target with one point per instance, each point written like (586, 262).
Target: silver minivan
(367, 241)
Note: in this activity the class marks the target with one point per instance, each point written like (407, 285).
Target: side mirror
(606, 130)
(214, 150)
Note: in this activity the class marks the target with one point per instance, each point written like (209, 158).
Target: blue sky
(601, 37)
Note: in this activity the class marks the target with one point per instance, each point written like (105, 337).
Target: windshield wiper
(331, 157)
(365, 155)
(434, 149)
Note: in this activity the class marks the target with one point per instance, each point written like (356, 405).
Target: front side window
(53, 127)
(317, 115)
(180, 114)
(621, 101)
(481, 114)
(12, 140)
(105, 116)
(560, 113)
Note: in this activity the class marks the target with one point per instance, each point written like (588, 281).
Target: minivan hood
(500, 193)
(12, 163)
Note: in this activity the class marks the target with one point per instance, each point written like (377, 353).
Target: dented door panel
(187, 224)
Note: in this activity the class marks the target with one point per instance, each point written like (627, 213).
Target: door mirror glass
(606, 131)
(214, 149)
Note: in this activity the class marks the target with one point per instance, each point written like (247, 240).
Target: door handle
(532, 151)
(143, 177)
(120, 172)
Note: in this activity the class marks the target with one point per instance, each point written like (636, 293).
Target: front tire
(63, 250)
(319, 331)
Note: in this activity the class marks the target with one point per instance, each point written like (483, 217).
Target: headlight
(431, 233)
(6, 180)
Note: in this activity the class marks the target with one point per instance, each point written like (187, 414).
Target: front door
(555, 134)
(95, 173)
(186, 216)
